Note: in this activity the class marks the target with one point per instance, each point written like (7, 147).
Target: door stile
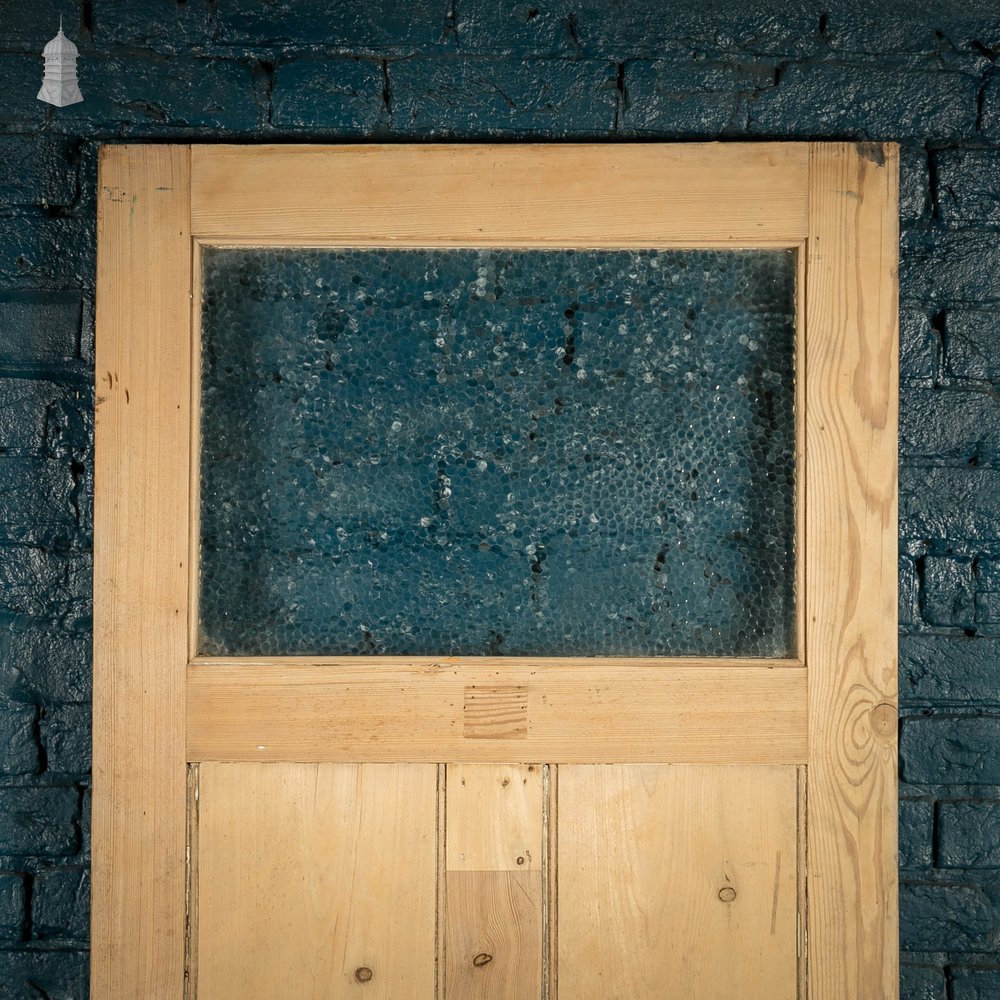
(140, 572)
(851, 407)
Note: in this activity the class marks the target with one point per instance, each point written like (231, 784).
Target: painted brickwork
(923, 73)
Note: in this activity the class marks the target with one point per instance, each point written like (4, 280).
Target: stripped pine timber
(140, 572)
(679, 881)
(654, 195)
(495, 878)
(576, 712)
(317, 881)
(851, 407)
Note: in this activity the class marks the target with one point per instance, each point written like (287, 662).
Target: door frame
(158, 706)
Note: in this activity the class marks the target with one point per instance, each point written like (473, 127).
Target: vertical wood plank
(677, 880)
(851, 406)
(140, 572)
(495, 851)
(317, 881)
(494, 817)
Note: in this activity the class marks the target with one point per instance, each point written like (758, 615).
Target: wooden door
(446, 718)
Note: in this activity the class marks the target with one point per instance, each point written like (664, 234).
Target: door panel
(495, 878)
(495, 541)
(677, 881)
(316, 881)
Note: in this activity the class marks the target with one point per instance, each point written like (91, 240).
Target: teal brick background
(917, 71)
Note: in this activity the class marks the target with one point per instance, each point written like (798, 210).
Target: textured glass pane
(520, 452)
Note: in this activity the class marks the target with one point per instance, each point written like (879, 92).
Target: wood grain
(312, 876)
(610, 195)
(140, 572)
(495, 873)
(495, 817)
(577, 712)
(677, 880)
(851, 406)
(494, 928)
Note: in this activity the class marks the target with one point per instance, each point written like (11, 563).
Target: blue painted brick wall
(923, 73)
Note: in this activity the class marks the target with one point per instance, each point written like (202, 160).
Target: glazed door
(495, 573)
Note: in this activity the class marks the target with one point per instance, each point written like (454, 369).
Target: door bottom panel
(517, 881)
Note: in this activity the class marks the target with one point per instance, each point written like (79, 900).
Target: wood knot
(363, 974)
(520, 860)
(883, 722)
(482, 959)
(727, 894)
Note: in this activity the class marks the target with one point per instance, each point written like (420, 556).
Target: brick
(900, 27)
(916, 833)
(968, 835)
(52, 975)
(18, 746)
(641, 29)
(153, 95)
(24, 408)
(39, 327)
(141, 95)
(950, 267)
(36, 582)
(867, 101)
(949, 424)
(914, 184)
(968, 186)
(973, 345)
(948, 597)
(990, 121)
(12, 912)
(38, 821)
(336, 94)
(35, 494)
(956, 918)
(975, 984)
(165, 27)
(379, 26)
(30, 25)
(496, 96)
(950, 503)
(987, 614)
(66, 736)
(919, 346)
(942, 669)
(688, 100)
(921, 982)
(38, 170)
(941, 750)
(69, 422)
(40, 253)
(60, 904)
(85, 824)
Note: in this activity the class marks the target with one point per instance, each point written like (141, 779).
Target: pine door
(495, 573)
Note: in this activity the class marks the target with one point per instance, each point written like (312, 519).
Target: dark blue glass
(506, 452)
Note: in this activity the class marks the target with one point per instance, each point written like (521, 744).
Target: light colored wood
(566, 195)
(494, 929)
(677, 880)
(310, 873)
(576, 713)
(550, 912)
(191, 909)
(140, 572)
(495, 872)
(851, 371)
(495, 817)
